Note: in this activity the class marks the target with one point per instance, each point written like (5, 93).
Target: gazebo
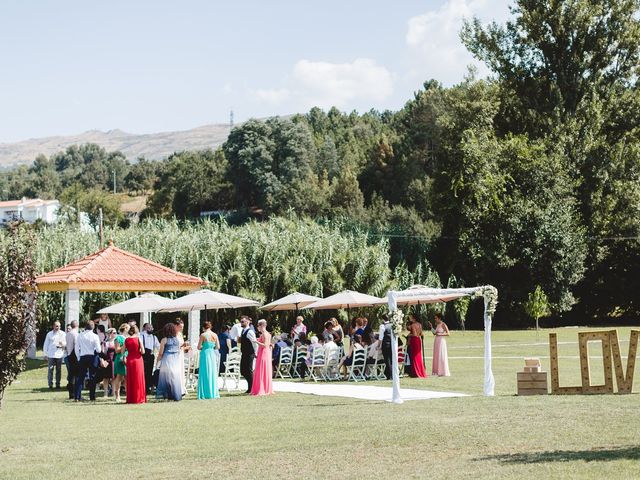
(115, 270)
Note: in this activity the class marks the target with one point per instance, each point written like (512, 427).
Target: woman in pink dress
(262, 383)
(440, 357)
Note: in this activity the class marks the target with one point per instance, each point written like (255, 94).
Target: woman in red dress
(414, 342)
(136, 389)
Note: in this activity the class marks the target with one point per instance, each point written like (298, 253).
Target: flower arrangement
(396, 319)
(490, 295)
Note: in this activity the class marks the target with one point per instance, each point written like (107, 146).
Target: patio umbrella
(293, 301)
(208, 300)
(147, 302)
(346, 299)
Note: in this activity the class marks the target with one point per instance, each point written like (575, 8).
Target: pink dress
(440, 357)
(262, 375)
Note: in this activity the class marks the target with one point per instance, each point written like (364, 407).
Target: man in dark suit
(247, 341)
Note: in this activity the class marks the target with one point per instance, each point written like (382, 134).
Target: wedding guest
(184, 346)
(119, 361)
(356, 345)
(105, 321)
(225, 346)
(298, 328)
(440, 365)
(234, 333)
(171, 366)
(208, 372)
(384, 343)
(414, 342)
(136, 389)
(314, 344)
(359, 327)
(262, 382)
(105, 372)
(70, 359)
(151, 346)
(101, 332)
(327, 333)
(248, 344)
(87, 348)
(337, 331)
(54, 349)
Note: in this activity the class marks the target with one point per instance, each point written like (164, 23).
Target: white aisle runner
(364, 392)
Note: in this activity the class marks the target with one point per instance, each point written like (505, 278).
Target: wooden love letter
(610, 354)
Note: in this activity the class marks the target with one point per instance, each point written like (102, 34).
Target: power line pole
(114, 182)
(231, 120)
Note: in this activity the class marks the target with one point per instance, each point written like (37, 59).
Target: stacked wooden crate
(532, 381)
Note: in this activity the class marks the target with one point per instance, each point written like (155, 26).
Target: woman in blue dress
(171, 366)
(208, 369)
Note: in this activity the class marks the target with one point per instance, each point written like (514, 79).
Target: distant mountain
(154, 146)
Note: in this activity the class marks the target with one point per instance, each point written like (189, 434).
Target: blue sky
(146, 66)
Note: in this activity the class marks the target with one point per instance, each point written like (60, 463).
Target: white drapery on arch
(490, 296)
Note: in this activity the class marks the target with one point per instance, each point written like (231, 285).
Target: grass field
(42, 435)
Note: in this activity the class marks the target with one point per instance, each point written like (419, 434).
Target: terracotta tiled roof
(114, 269)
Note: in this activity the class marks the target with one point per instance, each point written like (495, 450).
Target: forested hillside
(529, 178)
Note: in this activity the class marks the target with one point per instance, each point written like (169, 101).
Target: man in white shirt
(248, 347)
(54, 348)
(70, 360)
(151, 345)
(87, 349)
(234, 333)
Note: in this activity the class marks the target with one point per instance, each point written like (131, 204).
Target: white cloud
(274, 96)
(436, 50)
(326, 84)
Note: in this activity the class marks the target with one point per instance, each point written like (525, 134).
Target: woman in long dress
(262, 383)
(414, 342)
(440, 365)
(171, 365)
(136, 388)
(183, 345)
(119, 365)
(208, 368)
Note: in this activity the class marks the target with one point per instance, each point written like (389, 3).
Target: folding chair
(231, 372)
(283, 369)
(358, 365)
(317, 364)
(331, 361)
(300, 362)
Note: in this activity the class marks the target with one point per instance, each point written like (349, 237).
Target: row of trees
(530, 178)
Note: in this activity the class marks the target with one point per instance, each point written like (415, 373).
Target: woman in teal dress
(119, 366)
(208, 369)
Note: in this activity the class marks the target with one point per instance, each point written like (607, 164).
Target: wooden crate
(532, 383)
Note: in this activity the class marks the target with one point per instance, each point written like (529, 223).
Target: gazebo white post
(71, 306)
(145, 317)
(489, 382)
(395, 374)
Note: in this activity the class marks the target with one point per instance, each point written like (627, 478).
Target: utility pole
(231, 120)
(114, 182)
(101, 230)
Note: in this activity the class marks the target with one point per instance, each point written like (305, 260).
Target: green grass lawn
(42, 435)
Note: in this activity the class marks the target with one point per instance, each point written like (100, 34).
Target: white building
(29, 210)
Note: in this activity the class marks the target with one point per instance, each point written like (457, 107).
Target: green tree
(537, 305)
(17, 328)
